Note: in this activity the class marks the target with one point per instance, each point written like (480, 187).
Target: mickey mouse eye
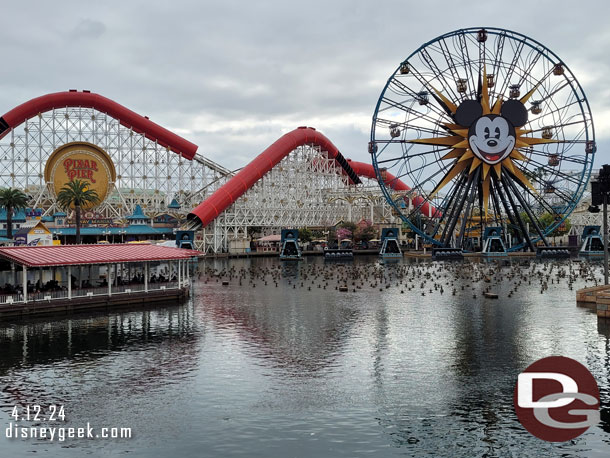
(486, 131)
(497, 132)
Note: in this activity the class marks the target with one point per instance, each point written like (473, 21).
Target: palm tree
(77, 193)
(11, 199)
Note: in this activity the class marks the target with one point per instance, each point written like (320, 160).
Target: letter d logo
(525, 389)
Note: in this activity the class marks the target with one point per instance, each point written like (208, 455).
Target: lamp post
(600, 188)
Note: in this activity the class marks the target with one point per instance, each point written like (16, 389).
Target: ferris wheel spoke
(555, 172)
(555, 91)
(466, 60)
(499, 50)
(540, 153)
(416, 113)
(527, 192)
(425, 56)
(415, 170)
(411, 156)
(561, 110)
(404, 125)
(423, 201)
(432, 108)
(450, 64)
(446, 111)
(529, 69)
(511, 67)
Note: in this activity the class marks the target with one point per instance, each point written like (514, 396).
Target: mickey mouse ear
(468, 112)
(515, 112)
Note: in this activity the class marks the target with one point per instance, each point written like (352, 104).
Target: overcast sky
(233, 76)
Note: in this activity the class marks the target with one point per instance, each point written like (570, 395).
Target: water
(286, 371)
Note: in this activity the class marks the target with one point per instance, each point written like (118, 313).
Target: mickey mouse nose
(492, 143)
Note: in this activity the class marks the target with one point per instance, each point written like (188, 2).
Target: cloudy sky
(233, 76)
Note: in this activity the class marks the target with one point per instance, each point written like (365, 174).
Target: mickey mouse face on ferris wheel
(491, 137)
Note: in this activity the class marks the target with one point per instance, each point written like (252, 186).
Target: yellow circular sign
(80, 161)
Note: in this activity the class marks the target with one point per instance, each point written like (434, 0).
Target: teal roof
(135, 229)
(47, 219)
(18, 215)
(138, 214)
(59, 215)
(174, 204)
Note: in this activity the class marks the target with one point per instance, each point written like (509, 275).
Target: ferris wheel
(486, 127)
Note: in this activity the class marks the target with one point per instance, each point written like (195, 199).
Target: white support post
(25, 283)
(109, 278)
(146, 277)
(69, 282)
(179, 273)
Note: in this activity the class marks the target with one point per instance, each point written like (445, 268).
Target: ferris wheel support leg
(454, 220)
(496, 204)
(527, 209)
(466, 215)
(449, 205)
(517, 217)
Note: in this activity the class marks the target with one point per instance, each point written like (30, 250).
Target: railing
(89, 292)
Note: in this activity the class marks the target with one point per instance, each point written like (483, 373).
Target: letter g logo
(557, 399)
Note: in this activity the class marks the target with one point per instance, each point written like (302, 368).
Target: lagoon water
(278, 371)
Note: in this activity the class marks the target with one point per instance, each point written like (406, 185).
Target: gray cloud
(233, 76)
(88, 28)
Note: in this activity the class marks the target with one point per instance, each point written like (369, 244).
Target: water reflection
(299, 337)
(82, 349)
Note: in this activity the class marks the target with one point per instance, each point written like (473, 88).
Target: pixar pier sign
(80, 169)
(80, 161)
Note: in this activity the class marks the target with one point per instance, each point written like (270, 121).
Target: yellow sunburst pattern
(464, 159)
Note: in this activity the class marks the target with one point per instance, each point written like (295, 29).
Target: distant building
(33, 233)
(19, 217)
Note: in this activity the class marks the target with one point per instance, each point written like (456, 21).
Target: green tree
(547, 219)
(11, 199)
(305, 235)
(319, 234)
(253, 231)
(77, 194)
(366, 233)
